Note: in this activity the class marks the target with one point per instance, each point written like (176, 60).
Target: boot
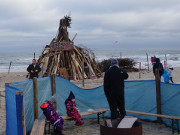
(79, 122)
(115, 122)
(59, 133)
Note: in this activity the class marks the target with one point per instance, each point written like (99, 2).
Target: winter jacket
(34, 74)
(166, 76)
(52, 116)
(114, 81)
(159, 66)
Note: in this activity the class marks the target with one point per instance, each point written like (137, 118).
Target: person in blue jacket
(166, 76)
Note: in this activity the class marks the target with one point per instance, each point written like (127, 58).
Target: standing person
(166, 76)
(159, 66)
(114, 90)
(33, 69)
(52, 115)
(170, 71)
(72, 110)
(154, 60)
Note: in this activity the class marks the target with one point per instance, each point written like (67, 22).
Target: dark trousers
(171, 79)
(116, 101)
(32, 75)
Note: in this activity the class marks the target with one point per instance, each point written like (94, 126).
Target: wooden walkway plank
(38, 127)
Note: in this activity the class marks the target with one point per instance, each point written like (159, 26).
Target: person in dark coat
(159, 66)
(33, 69)
(114, 89)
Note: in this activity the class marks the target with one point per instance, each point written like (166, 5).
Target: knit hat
(114, 61)
(53, 99)
(157, 60)
(170, 66)
(71, 96)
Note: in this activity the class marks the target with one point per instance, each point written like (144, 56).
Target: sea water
(21, 60)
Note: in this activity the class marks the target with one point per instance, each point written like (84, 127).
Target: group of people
(113, 89)
(52, 115)
(167, 74)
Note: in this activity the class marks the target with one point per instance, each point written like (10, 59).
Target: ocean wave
(20, 61)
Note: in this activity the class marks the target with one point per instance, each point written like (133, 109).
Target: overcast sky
(100, 24)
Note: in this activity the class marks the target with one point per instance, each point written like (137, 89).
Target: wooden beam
(158, 93)
(74, 37)
(83, 72)
(35, 98)
(156, 115)
(53, 83)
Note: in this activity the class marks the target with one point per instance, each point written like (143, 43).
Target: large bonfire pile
(63, 58)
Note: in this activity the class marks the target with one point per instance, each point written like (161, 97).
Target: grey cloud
(133, 22)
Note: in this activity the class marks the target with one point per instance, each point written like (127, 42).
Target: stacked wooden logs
(68, 64)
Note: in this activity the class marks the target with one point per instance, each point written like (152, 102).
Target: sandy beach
(90, 127)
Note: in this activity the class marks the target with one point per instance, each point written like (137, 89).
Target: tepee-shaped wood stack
(65, 59)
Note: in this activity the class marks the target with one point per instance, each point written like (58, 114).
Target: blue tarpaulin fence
(139, 96)
(13, 112)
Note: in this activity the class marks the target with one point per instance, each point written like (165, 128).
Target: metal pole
(83, 72)
(158, 93)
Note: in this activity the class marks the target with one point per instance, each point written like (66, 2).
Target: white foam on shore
(21, 60)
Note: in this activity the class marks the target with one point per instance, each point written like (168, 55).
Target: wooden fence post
(147, 61)
(23, 117)
(83, 72)
(35, 98)
(158, 93)
(139, 70)
(8, 84)
(9, 66)
(165, 62)
(23, 112)
(53, 84)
